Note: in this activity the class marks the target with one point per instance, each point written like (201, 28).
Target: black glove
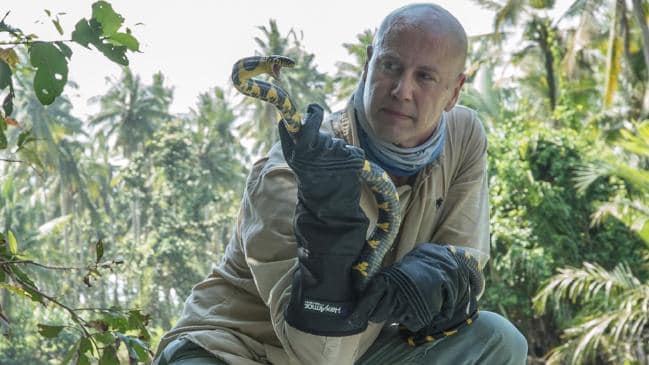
(432, 289)
(330, 229)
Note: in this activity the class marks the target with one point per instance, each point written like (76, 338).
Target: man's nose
(403, 88)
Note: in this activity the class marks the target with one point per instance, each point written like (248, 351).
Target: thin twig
(28, 42)
(75, 317)
(105, 264)
(30, 262)
(11, 160)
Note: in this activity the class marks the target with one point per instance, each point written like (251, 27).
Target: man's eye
(426, 76)
(389, 66)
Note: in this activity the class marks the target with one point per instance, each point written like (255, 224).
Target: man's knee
(509, 341)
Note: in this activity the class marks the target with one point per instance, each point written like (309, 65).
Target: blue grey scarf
(396, 160)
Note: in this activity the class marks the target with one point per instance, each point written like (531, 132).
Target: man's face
(410, 79)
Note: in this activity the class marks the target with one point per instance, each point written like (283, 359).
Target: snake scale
(379, 182)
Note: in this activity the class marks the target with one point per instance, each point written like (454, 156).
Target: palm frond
(585, 284)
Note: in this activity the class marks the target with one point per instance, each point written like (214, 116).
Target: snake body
(384, 191)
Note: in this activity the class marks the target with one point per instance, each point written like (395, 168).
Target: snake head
(274, 70)
(275, 64)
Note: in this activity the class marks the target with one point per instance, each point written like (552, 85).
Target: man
(283, 294)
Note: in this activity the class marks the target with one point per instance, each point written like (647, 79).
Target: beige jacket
(237, 312)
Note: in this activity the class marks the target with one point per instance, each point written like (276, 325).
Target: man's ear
(459, 82)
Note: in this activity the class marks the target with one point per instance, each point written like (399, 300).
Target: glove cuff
(309, 313)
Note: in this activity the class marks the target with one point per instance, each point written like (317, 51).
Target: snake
(383, 235)
(385, 193)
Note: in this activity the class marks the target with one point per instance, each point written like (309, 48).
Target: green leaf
(85, 34)
(99, 248)
(106, 338)
(57, 25)
(8, 104)
(23, 279)
(49, 331)
(16, 290)
(126, 40)
(114, 53)
(85, 345)
(140, 348)
(3, 276)
(109, 357)
(11, 240)
(67, 52)
(137, 350)
(24, 138)
(3, 138)
(52, 71)
(110, 21)
(83, 360)
(5, 75)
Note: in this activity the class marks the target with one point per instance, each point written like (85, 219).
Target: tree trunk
(641, 17)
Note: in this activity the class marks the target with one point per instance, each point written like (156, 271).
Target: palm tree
(131, 112)
(349, 73)
(614, 305)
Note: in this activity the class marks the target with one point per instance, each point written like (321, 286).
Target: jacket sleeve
(266, 231)
(464, 218)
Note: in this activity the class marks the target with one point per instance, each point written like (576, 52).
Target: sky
(194, 43)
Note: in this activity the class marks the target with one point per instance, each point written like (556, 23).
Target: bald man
(267, 304)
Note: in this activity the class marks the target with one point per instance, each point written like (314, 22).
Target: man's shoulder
(463, 121)
(461, 114)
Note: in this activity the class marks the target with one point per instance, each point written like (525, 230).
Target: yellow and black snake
(384, 191)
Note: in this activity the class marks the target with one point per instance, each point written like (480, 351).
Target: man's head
(414, 71)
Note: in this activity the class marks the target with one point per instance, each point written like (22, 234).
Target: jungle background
(107, 222)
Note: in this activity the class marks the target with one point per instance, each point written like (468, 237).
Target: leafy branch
(103, 334)
(103, 31)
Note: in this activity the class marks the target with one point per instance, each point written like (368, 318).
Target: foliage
(348, 74)
(540, 221)
(612, 322)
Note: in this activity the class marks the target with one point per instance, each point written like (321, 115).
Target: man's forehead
(407, 38)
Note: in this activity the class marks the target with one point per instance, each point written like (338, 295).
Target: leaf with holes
(51, 71)
(67, 52)
(114, 53)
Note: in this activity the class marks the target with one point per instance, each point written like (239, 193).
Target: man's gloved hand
(432, 289)
(330, 229)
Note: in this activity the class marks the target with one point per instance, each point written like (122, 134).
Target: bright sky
(195, 43)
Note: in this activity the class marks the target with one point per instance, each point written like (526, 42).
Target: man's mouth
(397, 114)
